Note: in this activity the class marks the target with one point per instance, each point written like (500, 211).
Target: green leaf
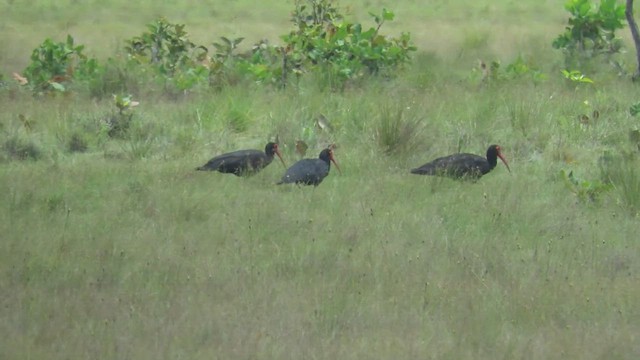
(375, 17)
(585, 79)
(584, 9)
(237, 41)
(57, 86)
(388, 15)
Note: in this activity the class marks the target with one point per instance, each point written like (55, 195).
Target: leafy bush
(518, 69)
(118, 124)
(55, 64)
(166, 46)
(267, 64)
(591, 30)
(343, 50)
(576, 77)
(322, 42)
(167, 49)
(227, 67)
(585, 189)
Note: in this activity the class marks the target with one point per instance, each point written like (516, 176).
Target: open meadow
(114, 247)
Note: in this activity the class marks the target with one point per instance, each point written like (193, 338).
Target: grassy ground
(124, 251)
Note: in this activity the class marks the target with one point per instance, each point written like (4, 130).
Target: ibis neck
(492, 158)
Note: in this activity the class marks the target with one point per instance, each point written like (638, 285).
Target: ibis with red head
(459, 166)
(243, 162)
(310, 171)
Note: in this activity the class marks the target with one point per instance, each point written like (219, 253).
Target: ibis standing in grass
(460, 166)
(243, 162)
(310, 171)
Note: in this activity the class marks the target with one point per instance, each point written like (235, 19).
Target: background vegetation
(112, 246)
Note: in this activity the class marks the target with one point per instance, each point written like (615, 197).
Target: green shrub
(342, 50)
(322, 43)
(166, 48)
(264, 64)
(225, 63)
(585, 190)
(517, 69)
(55, 65)
(118, 123)
(591, 30)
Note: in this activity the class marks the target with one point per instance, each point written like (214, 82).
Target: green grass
(122, 250)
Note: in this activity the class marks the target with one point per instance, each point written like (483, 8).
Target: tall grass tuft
(238, 119)
(624, 173)
(77, 143)
(117, 78)
(18, 148)
(238, 113)
(140, 140)
(397, 129)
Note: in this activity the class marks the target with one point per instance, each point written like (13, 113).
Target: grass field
(125, 252)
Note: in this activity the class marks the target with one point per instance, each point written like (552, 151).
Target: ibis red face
(502, 157)
(334, 161)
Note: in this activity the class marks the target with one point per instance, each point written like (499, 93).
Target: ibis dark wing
(238, 162)
(307, 171)
(458, 165)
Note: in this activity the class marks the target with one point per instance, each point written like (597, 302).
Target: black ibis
(310, 171)
(243, 162)
(459, 166)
